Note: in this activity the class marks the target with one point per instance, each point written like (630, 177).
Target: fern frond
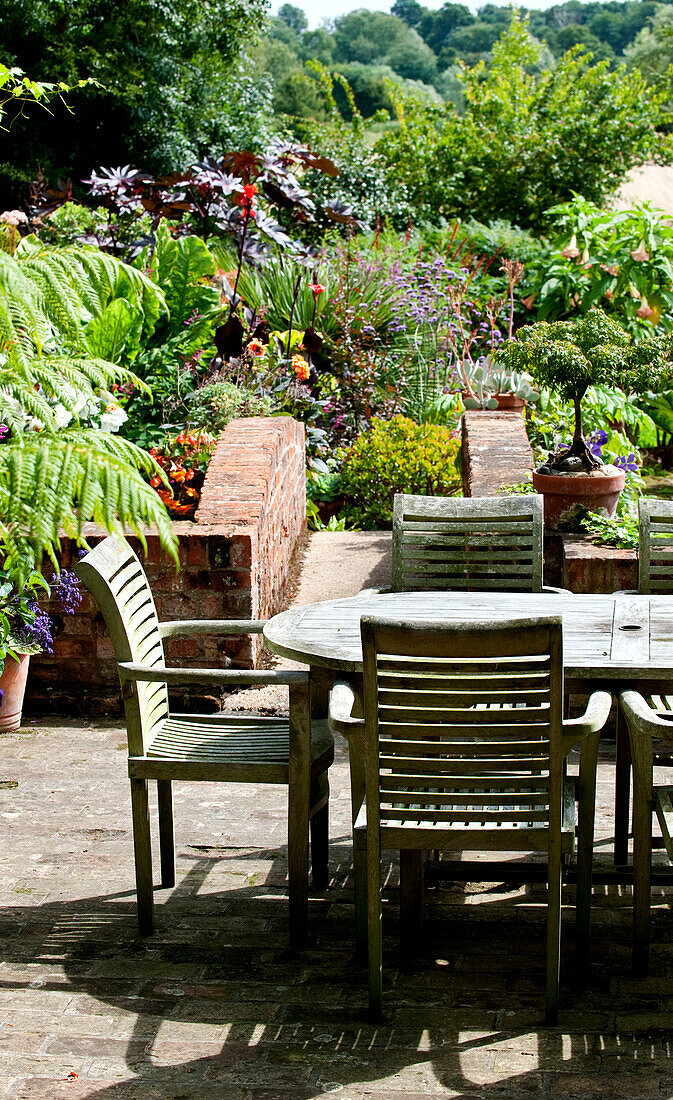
(56, 480)
(57, 483)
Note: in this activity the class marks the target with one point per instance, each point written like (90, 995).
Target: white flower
(112, 417)
(62, 416)
(13, 217)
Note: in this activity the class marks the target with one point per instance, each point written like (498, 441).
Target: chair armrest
(213, 676)
(627, 592)
(210, 626)
(374, 591)
(637, 711)
(558, 591)
(341, 703)
(593, 719)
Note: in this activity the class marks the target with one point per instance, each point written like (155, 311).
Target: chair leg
(622, 791)
(374, 930)
(356, 753)
(360, 892)
(585, 846)
(411, 899)
(143, 855)
(320, 848)
(553, 934)
(641, 754)
(166, 832)
(299, 788)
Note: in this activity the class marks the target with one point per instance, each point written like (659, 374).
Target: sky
(318, 10)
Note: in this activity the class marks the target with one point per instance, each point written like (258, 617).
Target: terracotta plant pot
(329, 508)
(598, 491)
(13, 687)
(509, 401)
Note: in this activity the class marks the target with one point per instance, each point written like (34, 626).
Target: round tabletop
(606, 636)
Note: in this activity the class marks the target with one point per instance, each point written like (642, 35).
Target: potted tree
(568, 357)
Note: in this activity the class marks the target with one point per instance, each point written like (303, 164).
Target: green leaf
(117, 328)
(184, 268)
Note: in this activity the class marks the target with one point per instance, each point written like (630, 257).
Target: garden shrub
(214, 404)
(525, 141)
(621, 260)
(397, 456)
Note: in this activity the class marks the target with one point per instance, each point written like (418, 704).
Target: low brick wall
(495, 451)
(591, 568)
(234, 564)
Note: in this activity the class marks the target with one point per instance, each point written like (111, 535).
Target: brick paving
(216, 1005)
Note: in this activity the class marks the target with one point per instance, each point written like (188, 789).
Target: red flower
(246, 200)
(317, 289)
(155, 481)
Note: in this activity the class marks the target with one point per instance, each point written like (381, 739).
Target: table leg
(585, 845)
(321, 685)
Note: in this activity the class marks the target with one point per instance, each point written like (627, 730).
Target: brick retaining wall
(234, 564)
(495, 451)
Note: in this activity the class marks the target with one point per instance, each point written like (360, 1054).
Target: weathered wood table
(608, 641)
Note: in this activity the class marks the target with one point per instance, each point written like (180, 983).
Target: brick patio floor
(216, 1005)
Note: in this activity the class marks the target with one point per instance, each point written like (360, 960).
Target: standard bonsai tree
(570, 356)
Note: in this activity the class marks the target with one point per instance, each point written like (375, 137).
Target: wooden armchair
(465, 747)
(473, 543)
(165, 746)
(655, 546)
(655, 578)
(649, 724)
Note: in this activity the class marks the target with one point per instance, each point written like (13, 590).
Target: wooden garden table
(608, 641)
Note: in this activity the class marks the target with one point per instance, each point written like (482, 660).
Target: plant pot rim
(607, 479)
(510, 400)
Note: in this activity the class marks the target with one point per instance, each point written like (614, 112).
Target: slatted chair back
(655, 539)
(469, 543)
(463, 730)
(116, 579)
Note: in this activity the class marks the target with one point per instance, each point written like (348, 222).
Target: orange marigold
(256, 347)
(300, 367)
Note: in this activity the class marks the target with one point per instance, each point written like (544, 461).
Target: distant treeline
(424, 46)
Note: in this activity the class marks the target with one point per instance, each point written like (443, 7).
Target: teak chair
(448, 769)
(473, 543)
(165, 746)
(655, 546)
(655, 578)
(649, 723)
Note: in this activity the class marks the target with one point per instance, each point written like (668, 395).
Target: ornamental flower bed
(184, 461)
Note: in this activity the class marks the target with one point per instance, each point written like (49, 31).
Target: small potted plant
(26, 628)
(496, 387)
(568, 357)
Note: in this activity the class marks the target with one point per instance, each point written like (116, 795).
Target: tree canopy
(163, 69)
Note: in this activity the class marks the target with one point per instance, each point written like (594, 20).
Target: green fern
(57, 484)
(59, 309)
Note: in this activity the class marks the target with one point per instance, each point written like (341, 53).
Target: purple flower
(66, 590)
(627, 462)
(37, 632)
